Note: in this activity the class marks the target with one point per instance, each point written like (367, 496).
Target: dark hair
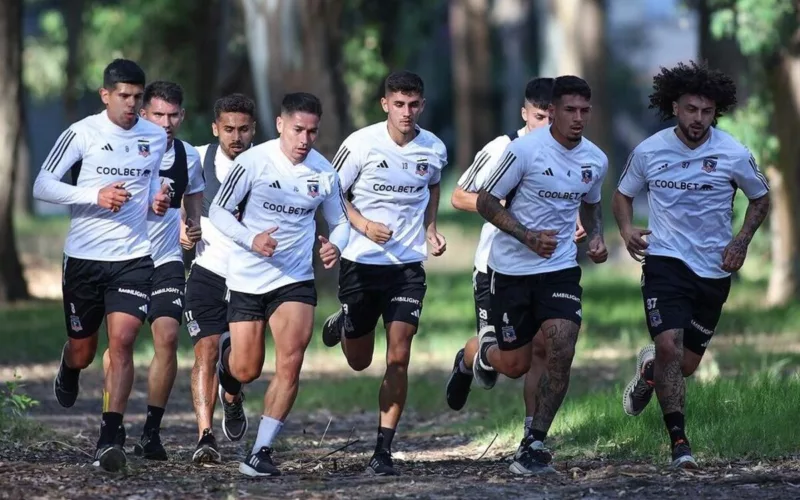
(122, 71)
(693, 79)
(404, 82)
(234, 103)
(301, 102)
(571, 85)
(169, 92)
(539, 92)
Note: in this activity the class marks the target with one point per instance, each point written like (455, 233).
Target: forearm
(591, 216)
(463, 200)
(622, 206)
(193, 207)
(227, 224)
(50, 189)
(432, 210)
(757, 211)
(339, 235)
(495, 213)
(357, 221)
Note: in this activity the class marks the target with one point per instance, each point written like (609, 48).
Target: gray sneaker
(532, 459)
(641, 387)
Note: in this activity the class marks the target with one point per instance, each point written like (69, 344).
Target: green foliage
(13, 402)
(759, 26)
(45, 58)
(364, 70)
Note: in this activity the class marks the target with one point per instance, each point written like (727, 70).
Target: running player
(691, 173)
(282, 182)
(114, 157)
(206, 306)
(181, 172)
(546, 178)
(535, 114)
(392, 171)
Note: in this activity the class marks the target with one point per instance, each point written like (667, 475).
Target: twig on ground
(325, 433)
(346, 445)
(477, 459)
(65, 445)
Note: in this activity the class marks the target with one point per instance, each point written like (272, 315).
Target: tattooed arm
(734, 254)
(591, 216)
(490, 208)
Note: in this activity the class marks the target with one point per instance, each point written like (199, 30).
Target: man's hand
(190, 234)
(328, 252)
(543, 243)
(597, 250)
(437, 241)
(264, 243)
(635, 243)
(161, 202)
(580, 232)
(113, 197)
(377, 232)
(734, 254)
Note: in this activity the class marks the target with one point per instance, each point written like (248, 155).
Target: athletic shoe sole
(519, 469)
(684, 462)
(221, 394)
(485, 379)
(251, 472)
(113, 459)
(646, 353)
(206, 455)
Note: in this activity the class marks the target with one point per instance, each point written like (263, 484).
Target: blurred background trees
(475, 57)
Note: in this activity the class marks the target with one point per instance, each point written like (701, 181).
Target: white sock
(528, 423)
(268, 429)
(463, 368)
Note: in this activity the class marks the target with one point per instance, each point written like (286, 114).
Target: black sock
(676, 427)
(649, 372)
(153, 422)
(226, 380)
(385, 436)
(538, 435)
(110, 423)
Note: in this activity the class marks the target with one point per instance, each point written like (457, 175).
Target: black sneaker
(641, 387)
(120, 437)
(381, 464)
(458, 385)
(207, 451)
(234, 419)
(332, 329)
(532, 458)
(110, 457)
(682, 456)
(65, 385)
(484, 374)
(150, 447)
(259, 464)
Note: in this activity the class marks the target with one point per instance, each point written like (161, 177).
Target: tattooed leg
(670, 386)
(560, 338)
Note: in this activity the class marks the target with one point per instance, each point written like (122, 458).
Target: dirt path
(435, 463)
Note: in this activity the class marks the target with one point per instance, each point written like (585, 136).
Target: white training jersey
(279, 194)
(184, 178)
(99, 153)
(389, 184)
(543, 184)
(690, 193)
(472, 180)
(213, 250)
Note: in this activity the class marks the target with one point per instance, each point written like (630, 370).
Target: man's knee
(538, 350)
(206, 351)
(165, 336)
(669, 346)
(516, 363)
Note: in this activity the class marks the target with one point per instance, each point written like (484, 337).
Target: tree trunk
(722, 54)
(511, 17)
(12, 281)
(785, 87)
(73, 20)
(471, 58)
(23, 187)
(260, 46)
